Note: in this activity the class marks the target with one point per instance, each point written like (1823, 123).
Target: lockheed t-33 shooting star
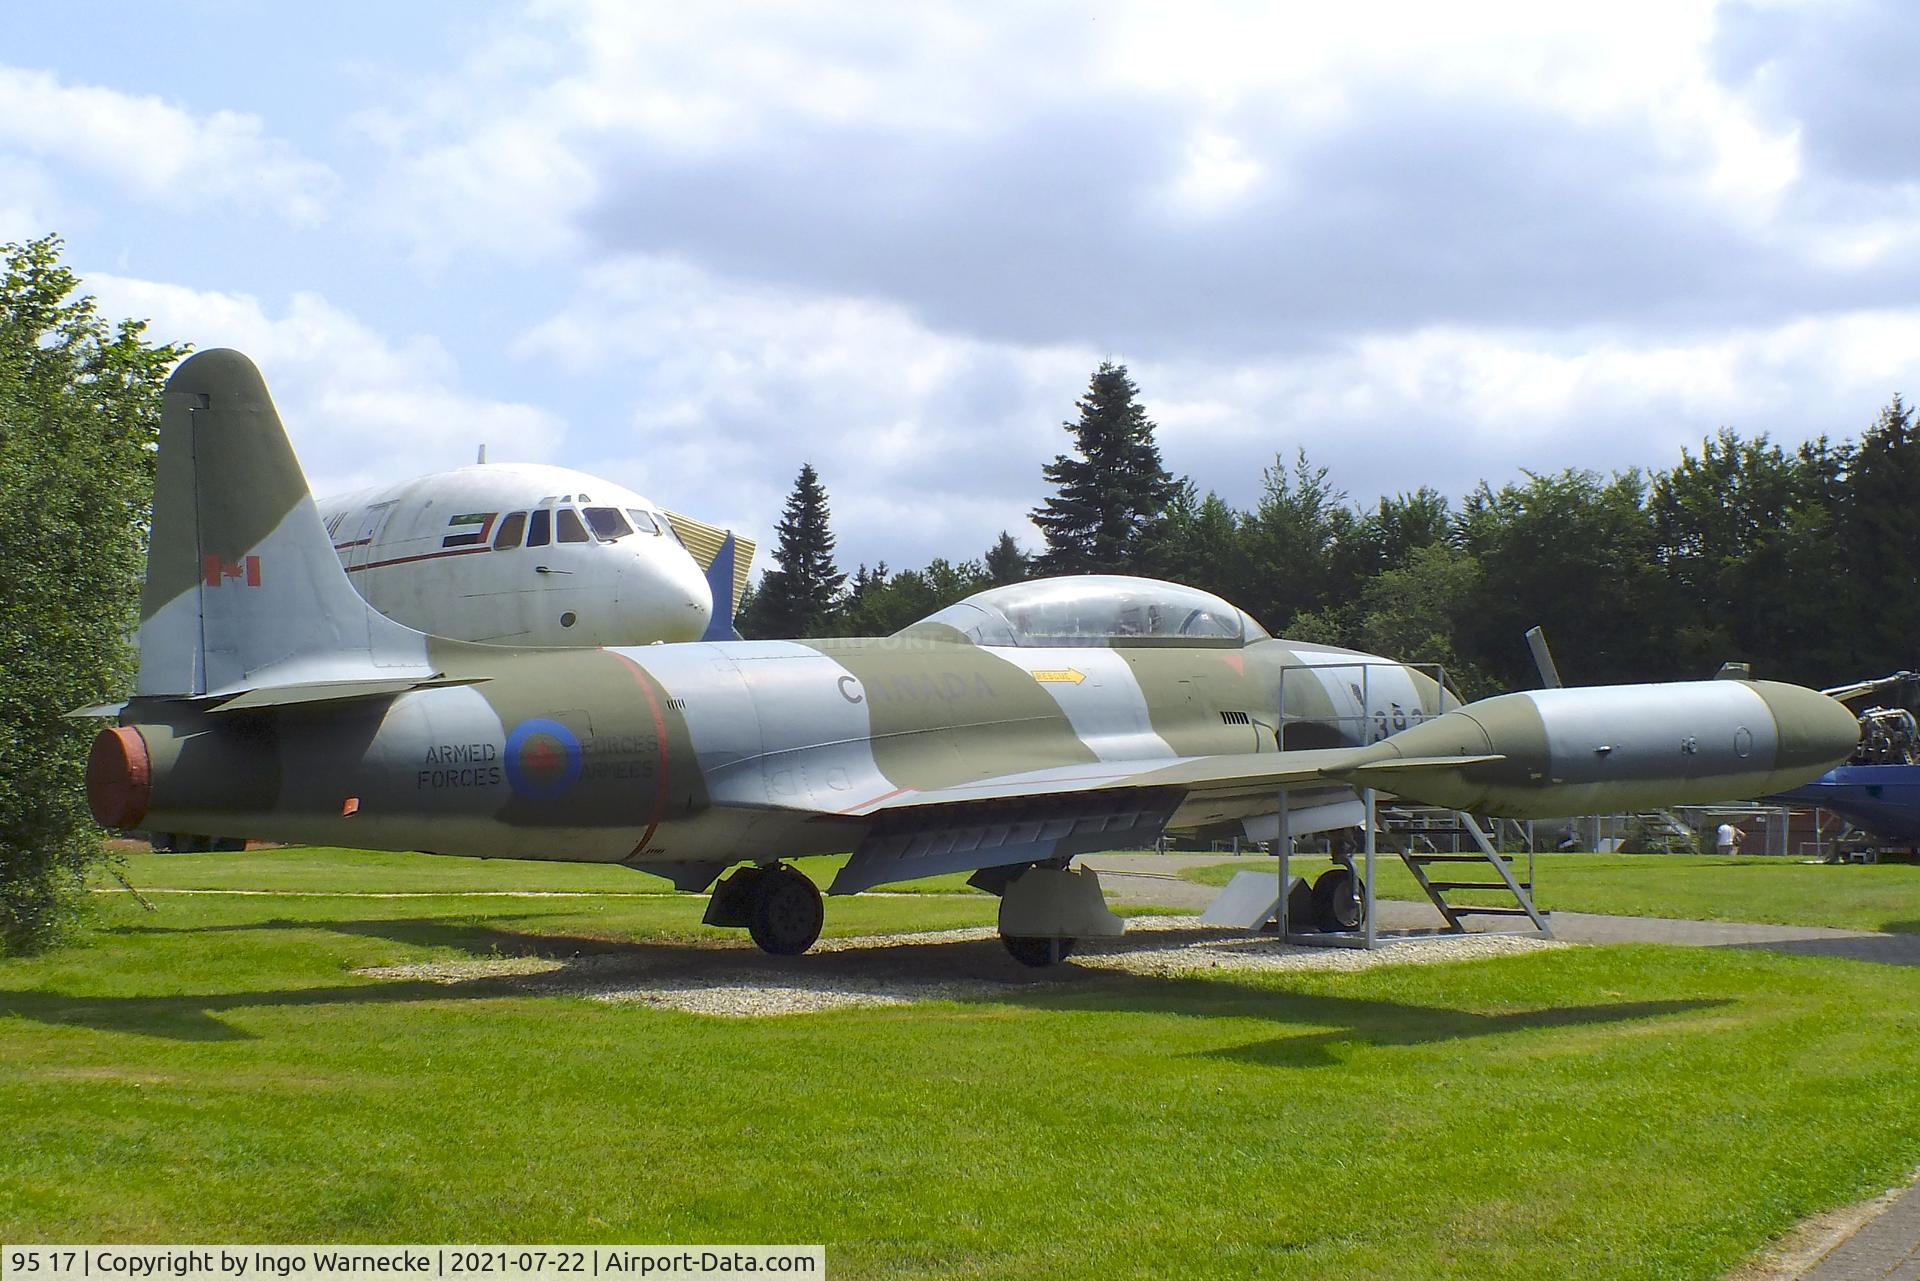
(1002, 736)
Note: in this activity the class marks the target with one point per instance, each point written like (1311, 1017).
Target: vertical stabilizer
(243, 589)
(720, 583)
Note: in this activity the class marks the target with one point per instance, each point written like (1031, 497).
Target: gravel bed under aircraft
(1003, 735)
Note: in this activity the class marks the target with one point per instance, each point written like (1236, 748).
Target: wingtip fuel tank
(1623, 747)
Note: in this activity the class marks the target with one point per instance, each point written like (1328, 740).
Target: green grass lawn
(1883, 896)
(319, 870)
(216, 1071)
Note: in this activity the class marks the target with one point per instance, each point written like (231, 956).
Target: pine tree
(1006, 562)
(802, 596)
(1113, 495)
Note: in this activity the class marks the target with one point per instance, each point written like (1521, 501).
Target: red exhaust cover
(119, 777)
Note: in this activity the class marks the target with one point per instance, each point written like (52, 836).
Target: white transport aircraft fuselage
(523, 554)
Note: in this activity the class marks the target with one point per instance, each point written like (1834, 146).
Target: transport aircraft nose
(666, 598)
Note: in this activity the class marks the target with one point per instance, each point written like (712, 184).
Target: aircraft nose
(1816, 732)
(664, 600)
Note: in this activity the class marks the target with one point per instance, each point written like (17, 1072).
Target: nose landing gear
(777, 904)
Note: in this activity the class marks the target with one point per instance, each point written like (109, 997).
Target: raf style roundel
(543, 758)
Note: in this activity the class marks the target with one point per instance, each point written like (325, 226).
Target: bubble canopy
(1095, 609)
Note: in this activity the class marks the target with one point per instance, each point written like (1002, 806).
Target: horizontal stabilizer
(315, 692)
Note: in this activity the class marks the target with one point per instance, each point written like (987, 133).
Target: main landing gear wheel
(1038, 952)
(785, 915)
(1336, 904)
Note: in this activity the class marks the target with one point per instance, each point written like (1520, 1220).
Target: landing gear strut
(1039, 953)
(778, 905)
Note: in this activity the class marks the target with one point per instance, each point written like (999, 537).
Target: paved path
(1886, 1248)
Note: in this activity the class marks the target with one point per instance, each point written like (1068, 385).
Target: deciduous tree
(79, 414)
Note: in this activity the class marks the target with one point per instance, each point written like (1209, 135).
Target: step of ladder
(1487, 856)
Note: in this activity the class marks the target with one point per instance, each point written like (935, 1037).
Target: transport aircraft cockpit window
(1093, 610)
(512, 525)
(644, 521)
(571, 530)
(540, 527)
(608, 523)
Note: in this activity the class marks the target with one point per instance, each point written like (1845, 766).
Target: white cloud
(1449, 406)
(930, 443)
(1216, 176)
(1429, 244)
(360, 409)
(29, 202)
(156, 150)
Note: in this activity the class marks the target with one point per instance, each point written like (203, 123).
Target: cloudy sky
(690, 247)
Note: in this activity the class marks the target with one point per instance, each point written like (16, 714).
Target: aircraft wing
(1220, 777)
(1068, 810)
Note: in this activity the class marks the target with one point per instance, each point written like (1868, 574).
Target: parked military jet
(1001, 736)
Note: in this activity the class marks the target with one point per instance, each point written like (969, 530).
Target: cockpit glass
(1097, 609)
(608, 523)
(567, 526)
(511, 527)
(643, 521)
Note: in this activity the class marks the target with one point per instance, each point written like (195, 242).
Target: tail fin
(243, 590)
(720, 577)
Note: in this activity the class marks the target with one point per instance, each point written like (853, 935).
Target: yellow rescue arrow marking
(1059, 676)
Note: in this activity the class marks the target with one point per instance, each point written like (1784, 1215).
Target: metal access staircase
(1408, 830)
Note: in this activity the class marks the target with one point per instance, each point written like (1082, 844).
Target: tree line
(1803, 562)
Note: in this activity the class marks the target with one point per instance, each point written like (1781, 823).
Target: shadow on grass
(1896, 946)
(195, 1017)
(968, 970)
(476, 938)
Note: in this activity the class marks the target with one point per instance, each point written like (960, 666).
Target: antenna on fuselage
(1543, 657)
(483, 455)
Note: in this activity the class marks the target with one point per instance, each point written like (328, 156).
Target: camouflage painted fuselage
(709, 754)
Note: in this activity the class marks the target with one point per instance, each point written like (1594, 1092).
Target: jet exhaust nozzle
(119, 777)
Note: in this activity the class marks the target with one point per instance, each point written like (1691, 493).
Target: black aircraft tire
(786, 914)
(1038, 953)
(1334, 906)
